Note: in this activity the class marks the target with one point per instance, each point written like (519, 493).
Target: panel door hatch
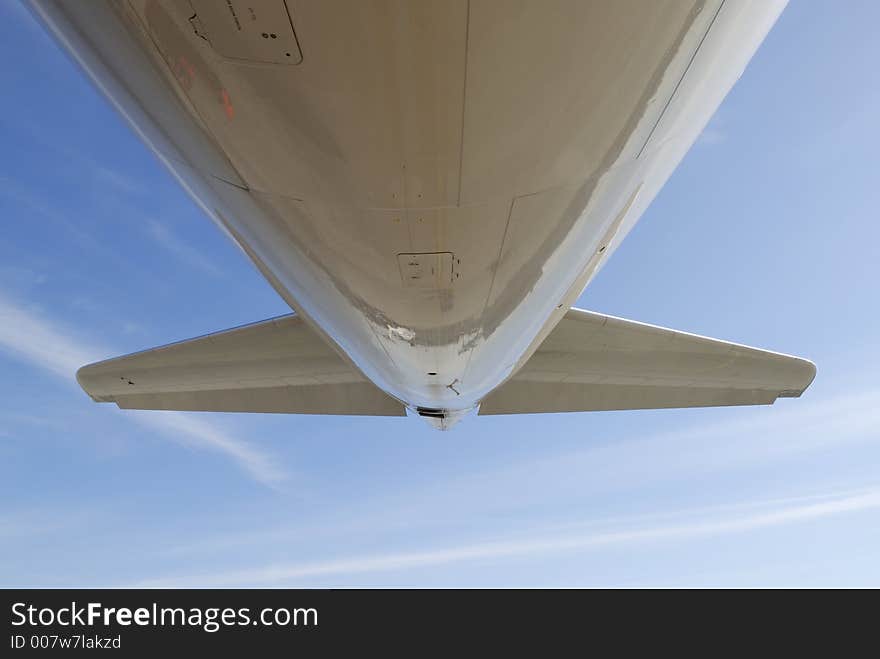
(426, 269)
(255, 31)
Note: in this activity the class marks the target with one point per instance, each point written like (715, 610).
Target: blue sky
(767, 234)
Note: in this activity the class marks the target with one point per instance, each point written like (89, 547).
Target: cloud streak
(713, 133)
(794, 511)
(26, 335)
(172, 244)
(568, 482)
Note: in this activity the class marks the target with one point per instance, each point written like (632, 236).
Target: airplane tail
(592, 362)
(278, 365)
(588, 362)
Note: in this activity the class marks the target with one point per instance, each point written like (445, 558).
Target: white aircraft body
(429, 185)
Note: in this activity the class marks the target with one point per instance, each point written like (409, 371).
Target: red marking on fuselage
(227, 105)
(184, 72)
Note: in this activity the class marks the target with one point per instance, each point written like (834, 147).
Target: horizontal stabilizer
(592, 362)
(278, 365)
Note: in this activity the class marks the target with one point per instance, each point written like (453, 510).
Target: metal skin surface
(433, 184)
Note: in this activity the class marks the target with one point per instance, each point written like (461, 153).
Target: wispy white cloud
(112, 188)
(27, 335)
(106, 178)
(563, 484)
(736, 441)
(166, 239)
(128, 327)
(792, 512)
(32, 204)
(16, 277)
(196, 432)
(713, 133)
(113, 178)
